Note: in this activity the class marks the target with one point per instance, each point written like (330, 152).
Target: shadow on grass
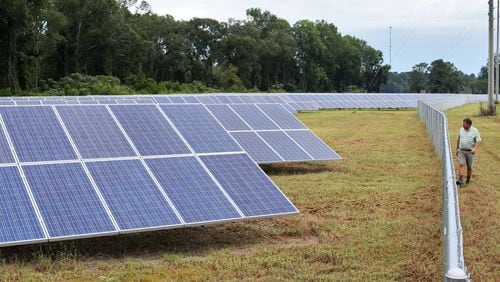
(195, 240)
(299, 168)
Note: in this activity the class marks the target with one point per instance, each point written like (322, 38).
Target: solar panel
(68, 203)
(191, 100)
(36, 134)
(284, 146)
(163, 100)
(254, 117)
(313, 145)
(149, 130)
(258, 150)
(18, 219)
(133, 197)
(94, 132)
(200, 129)
(5, 151)
(191, 189)
(177, 99)
(227, 117)
(252, 191)
(281, 116)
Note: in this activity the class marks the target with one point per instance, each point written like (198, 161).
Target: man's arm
(476, 146)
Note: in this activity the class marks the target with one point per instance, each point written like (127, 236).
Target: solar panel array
(90, 170)
(292, 102)
(74, 167)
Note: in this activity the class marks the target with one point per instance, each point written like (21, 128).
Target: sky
(422, 30)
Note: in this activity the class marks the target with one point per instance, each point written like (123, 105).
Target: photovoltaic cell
(5, 152)
(285, 146)
(133, 197)
(254, 117)
(281, 116)
(177, 99)
(313, 145)
(37, 134)
(227, 117)
(163, 100)
(201, 130)
(252, 191)
(258, 150)
(191, 100)
(18, 220)
(67, 201)
(149, 130)
(95, 132)
(195, 195)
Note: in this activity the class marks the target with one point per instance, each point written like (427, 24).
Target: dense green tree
(444, 77)
(419, 78)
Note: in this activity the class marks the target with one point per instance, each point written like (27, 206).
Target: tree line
(45, 41)
(437, 77)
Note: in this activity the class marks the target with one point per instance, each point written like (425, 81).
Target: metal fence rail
(437, 128)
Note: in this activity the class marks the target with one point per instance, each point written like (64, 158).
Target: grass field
(376, 215)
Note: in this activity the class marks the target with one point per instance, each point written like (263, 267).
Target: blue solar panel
(258, 150)
(18, 220)
(252, 191)
(149, 130)
(95, 133)
(206, 99)
(285, 146)
(313, 145)
(201, 130)
(281, 116)
(254, 117)
(191, 100)
(5, 151)
(177, 99)
(67, 201)
(37, 134)
(227, 117)
(134, 199)
(195, 195)
(163, 100)
(223, 99)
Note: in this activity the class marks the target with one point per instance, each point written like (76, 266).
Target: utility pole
(491, 109)
(390, 45)
(497, 61)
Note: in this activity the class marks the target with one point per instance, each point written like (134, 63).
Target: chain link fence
(437, 128)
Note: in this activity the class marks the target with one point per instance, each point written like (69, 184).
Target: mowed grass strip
(376, 215)
(480, 200)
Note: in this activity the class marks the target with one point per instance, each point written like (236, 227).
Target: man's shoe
(460, 181)
(467, 181)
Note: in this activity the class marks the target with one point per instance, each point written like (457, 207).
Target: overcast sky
(422, 30)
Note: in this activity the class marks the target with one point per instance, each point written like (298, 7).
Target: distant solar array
(292, 102)
(82, 171)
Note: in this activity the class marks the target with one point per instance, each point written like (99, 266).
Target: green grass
(376, 215)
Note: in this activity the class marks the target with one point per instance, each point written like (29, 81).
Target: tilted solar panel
(133, 197)
(149, 130)
(94, 132)
(254, 117)
(252, 191)
(67, 200)
(18, 219)
(37, 134)
(192, 191)
(201, 130)
(284, 146)
(281, 116)
(228, 118)
(258, 150)
(313, 145)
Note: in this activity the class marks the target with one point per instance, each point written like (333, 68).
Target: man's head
(467, 123)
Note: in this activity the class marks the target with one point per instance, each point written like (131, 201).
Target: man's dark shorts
(465, 158)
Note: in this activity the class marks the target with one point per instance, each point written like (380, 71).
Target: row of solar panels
(293, 102)
(82, 171)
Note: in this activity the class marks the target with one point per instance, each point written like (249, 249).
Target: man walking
(467, 144)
